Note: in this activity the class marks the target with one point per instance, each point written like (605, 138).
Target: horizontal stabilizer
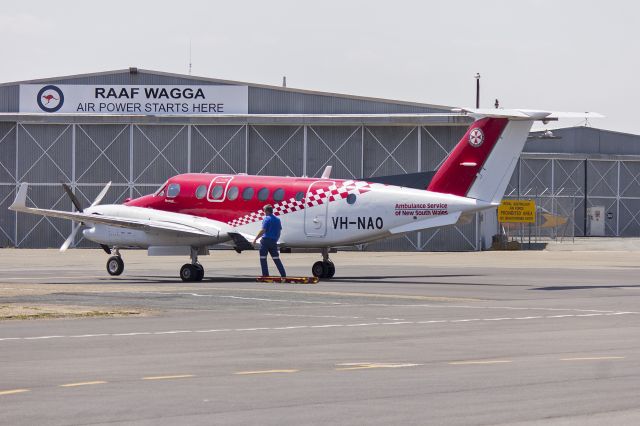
(526, 114)
(408, 180)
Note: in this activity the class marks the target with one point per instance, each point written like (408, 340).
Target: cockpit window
(173, 190)
(161, 191)
(201, 191)
(299, 196)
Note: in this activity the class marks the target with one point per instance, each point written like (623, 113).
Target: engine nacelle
(126, 237)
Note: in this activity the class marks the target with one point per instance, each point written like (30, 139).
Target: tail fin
(482, 163)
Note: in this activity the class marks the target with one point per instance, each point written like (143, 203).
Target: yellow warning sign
(517, 211)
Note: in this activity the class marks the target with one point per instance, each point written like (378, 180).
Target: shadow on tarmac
(585, 287)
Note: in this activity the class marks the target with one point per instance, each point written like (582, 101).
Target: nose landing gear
(115, 265)
(324, 268)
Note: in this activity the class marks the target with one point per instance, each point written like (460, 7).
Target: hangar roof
(263, 99)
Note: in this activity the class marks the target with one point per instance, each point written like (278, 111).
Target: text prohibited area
(517, 211)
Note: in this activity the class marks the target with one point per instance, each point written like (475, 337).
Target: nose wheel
(115, 265)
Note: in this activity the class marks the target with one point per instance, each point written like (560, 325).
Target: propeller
(78, 206)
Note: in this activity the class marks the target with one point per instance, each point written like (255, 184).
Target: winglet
(20, 203)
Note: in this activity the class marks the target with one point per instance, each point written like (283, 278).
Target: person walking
(270, 233)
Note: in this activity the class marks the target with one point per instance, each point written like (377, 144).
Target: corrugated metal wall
(611, 183)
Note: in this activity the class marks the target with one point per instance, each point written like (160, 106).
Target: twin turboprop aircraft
(192, 212)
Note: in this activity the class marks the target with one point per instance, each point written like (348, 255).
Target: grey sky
(559, 55)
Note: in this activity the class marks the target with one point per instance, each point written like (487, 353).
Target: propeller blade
(73, 197)
(101, 194)
(71, 237)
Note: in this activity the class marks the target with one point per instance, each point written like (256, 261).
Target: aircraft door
(217, 191)
(315, 214)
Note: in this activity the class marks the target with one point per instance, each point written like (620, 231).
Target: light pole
(477, 90)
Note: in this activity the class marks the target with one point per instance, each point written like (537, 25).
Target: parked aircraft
(192, 212)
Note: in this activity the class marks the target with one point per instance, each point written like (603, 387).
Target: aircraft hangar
(137, 127)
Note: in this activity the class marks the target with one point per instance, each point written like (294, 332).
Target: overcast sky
(558, 55)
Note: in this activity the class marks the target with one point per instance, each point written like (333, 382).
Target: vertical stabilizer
(482, 163)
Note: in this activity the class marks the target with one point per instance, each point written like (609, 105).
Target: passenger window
(217, 191)
(201, 191)
(173, 190)
(232, 193)
(247, 194)
(299, 196)
(263, 194)
(351, 198)
(278, 194)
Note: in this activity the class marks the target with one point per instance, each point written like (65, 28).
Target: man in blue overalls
(270, 234)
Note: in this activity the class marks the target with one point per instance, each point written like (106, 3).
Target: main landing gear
(193, 271)
(324, 268)
(115, 265)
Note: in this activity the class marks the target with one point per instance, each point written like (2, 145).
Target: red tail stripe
(453, 177)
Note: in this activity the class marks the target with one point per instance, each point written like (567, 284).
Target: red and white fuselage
(314, 212)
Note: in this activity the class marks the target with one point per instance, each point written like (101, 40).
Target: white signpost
(132, 99)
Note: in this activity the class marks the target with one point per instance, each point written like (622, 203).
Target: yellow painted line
(594, 358)
(179, 376)
(242, 373)
(11, 392)
(489, 361)
(71, 385)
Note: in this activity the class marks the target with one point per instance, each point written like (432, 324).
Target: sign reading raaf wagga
(517, 211)
(133, 100)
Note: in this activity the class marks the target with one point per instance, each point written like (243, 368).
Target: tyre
(319, 269)
(200, 273)
(115, 265)
(188, 272)
(331, 269)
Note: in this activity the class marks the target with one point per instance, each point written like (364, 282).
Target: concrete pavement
(396, 338)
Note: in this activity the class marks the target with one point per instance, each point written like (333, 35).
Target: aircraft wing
(241, 241)
(19, 205)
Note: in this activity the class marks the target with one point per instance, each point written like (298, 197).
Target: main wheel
(189, 272)
(319, 269)
(115, 265)
(200, 270)
(331, 269)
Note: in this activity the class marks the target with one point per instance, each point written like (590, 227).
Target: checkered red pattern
(315, 198)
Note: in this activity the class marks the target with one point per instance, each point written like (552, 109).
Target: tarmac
(521, 338)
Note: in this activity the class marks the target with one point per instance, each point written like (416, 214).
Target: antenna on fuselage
(327, 172)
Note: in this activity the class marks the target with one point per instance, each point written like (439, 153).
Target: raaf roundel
(192, 212)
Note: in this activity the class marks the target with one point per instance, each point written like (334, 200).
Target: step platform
(288, 280)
